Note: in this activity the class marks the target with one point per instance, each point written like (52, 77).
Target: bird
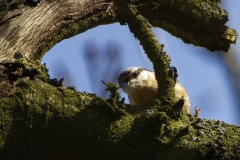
(141, 86)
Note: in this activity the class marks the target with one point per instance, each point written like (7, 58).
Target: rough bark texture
(33, 29)
(40, 119)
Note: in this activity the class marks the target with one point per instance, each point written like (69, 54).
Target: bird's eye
(126, 80)
(134, 75)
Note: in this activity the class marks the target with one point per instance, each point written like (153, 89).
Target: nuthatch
(141, 86)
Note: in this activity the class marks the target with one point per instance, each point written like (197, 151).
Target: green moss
(202, 12)
(42, 116)
(120, 128)
(192, 21)
(33, 68)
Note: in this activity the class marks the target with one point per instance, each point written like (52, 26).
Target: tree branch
(139, 26)
(196, 22)
(42, 121)
(35, 29)
(32, 31)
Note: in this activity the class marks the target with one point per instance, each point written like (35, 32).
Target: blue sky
(202, 73)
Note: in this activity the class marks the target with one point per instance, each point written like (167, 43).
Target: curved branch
(33, 30)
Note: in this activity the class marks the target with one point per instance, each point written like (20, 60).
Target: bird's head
(135, 79)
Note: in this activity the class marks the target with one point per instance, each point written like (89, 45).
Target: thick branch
(42, 121)
(33, 30)
(196, 22)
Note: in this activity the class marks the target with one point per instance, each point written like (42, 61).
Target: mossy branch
(201, 23)
(139, 26)
(43, 121)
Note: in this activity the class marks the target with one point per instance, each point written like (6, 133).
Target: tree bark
(40, 119)
(32, 29)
